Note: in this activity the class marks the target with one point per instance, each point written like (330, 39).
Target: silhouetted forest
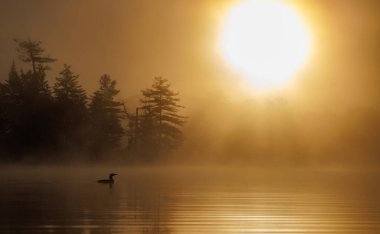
(42, 122)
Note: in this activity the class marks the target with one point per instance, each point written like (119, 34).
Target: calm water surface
(68, 200)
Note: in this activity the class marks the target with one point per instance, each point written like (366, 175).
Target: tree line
(42, 122)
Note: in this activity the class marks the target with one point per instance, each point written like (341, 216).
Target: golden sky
(135, 40)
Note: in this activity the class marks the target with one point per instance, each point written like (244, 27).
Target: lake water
(187, 200)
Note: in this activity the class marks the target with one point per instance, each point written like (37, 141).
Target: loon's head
(112, 174)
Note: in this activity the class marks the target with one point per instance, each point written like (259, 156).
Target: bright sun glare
(266, 40)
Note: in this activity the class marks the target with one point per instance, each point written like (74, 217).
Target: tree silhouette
(9, 100)
(159, 126)
(38, 121)
(27, 104)
(72, 115)
(67, 89)
(27, 115)
(32, 52)
(106, 114)
(34, 81)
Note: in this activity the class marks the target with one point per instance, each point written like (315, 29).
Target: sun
(266, 40)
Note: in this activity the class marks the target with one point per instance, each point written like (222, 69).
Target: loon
(109, 181)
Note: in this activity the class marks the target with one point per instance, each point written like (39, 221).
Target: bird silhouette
(109, 181)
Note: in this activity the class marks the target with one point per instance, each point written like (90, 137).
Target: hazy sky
(135, 40)
(132, 40)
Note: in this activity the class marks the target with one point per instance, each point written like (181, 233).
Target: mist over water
(187, 200)
(218, 157)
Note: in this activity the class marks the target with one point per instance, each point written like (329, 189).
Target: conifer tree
(68, 90)
(71, 101)
(32, 52)
(159, 126)
(11, 104)
(31, 122)
(106, 115)
(14, 83)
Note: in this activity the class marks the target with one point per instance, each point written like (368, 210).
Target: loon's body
(109, 181)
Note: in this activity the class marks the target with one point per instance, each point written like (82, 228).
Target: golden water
(63, 200)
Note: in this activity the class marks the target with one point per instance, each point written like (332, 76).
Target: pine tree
(14, 82)
(72, 115)
(34, 80)
(32, 52)
(29, 104)
(27, 118)
(11, 104)
(159, 126)
(67, 89)
(11, 95)
(4, 119)
(106, 115)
